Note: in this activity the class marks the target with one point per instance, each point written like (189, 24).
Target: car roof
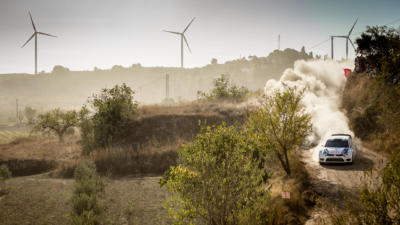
(340, 136)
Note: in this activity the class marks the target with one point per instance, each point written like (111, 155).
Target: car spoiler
(341, 135)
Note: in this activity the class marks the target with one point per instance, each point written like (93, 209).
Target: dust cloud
(323, 82)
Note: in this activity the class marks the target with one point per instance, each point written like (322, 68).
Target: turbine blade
(33, 24)
(352, 44)
(184, 38)
(172, 32)
(351, 30)
(28, 40)
(188, 25)
(47, 34)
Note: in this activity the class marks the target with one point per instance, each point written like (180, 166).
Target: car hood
(333, 150)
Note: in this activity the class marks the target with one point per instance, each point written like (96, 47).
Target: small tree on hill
(282, 124)
(56, 121)
(113, 109)
(224, 91)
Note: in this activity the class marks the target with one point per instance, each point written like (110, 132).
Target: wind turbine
(347, 40)
(35, 34)
(183, 38)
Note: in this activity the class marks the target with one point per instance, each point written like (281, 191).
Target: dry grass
(149, 160)
(296, 209)
(7, 136)
(42, 200)
(208, 108)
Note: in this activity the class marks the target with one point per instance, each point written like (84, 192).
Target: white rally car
(339, 148)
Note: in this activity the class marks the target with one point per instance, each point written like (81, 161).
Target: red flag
(347, 72)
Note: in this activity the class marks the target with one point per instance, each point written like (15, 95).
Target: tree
(303, 50)
(282, 124)
(56, 121)
(112, 111)
(214, 61)
(218, 181)
(59, 70)
(30, 114)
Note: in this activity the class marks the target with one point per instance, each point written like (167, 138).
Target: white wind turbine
(183, 38)
(35, 34)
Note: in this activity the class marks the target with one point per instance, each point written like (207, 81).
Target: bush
(4, 173)
(56, 122)
(113, 109)
(281, 125)
(222, 91)
(88, 188)
(218, 181)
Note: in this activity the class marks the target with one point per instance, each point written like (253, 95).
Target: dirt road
(338, 183)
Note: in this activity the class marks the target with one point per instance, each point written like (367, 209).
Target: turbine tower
(183, 38)
(35, 34)
(347, 40)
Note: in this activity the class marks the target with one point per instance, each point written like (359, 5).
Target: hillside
(70, 89)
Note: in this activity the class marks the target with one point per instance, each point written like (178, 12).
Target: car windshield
(337, 143)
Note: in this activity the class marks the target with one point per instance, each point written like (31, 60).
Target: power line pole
(17, 112)
(279, 42)
(332, 47)
(167, 86)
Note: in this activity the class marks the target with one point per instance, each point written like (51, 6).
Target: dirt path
(338, 183)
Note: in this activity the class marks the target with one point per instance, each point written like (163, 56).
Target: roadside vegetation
(376, 204)
(371, 97)
(371, 100)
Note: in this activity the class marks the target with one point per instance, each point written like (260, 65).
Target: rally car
(339, 148)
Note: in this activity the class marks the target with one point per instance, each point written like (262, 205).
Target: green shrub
(222, 91)
(85, 200)
(106, 125)
(5, 173)
(218, 181)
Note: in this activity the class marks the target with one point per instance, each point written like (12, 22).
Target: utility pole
(332, 47)
(16, 107)
(167, 86)
(279, 42)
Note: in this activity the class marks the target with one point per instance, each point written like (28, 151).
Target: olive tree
(282, 124)
(218, 181)
(56, 122)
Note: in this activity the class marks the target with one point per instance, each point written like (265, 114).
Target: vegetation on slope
(371, 97)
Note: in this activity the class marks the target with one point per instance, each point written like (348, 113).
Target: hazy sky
(105, 33)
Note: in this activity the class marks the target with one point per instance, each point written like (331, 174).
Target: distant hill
(70, 89)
